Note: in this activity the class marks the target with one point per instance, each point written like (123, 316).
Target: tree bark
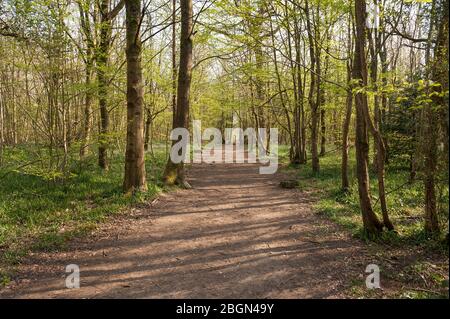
(174, 65)
(300, 116)
(175, 173)
(345, 131)
(89, 71)
(372, 225)
(87, 112)
(439, 74)
(375, 126)
(323, 132)
(135, 179)
(313, 88)
(2, 138)
(102, 59)
(148, 123)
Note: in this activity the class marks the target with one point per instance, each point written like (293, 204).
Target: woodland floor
(235, 234)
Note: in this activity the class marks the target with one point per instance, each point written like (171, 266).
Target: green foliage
(401, 125)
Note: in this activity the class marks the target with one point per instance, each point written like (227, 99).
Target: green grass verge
(405, 201)
(40, 213)
(421, 277)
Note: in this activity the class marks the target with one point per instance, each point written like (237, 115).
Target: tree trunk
(312, 90)
(87, 112)
(300, 89)
(148, 123)
(135, 179)
(439, 74)
(380, 151)
(295, 136)
(102, 59)
(345, 131)
(322, 99)
(174, 65)
(372, 225)
(292, 139)
(175, 173)
(323, 128)
(2, 138)
(89, 65)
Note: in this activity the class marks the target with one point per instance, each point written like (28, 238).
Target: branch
(114, 12)
(405, 36)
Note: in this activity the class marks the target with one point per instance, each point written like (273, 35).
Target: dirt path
(236, 234)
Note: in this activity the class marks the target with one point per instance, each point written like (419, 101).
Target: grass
(415, 262)
(405, 201)
(41, 213)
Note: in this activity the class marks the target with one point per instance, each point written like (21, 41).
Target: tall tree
(439, 75)
(374, 39)
(175, 172)
(372, 225)
(174, 62)
(314, 88)
(2, 138)
(345, 186)
(135, 179)
(89, 60)
(102, 60)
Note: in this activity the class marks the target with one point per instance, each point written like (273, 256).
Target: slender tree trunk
(89, 70)
(175, 173)
(259, 64)
(280, 89)
(148, 123)
(439, 74)
(300, 97)
(174, 64)
(295, 143)
(384, 98)
(135, 179)
(349, 105)
(372, 225)
(14, 111)
(295, 140)
(345, 131)
(312, 91)
(2, 137)
(102, 59)
(380, 151)
(322, 101)
(87, 111)
(323, 129)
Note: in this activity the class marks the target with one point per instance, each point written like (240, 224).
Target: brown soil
(236, 234)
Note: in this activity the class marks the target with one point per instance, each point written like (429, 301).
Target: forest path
(236, 234)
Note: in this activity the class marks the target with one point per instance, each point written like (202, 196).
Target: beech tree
(372, 224)
(135, 178)
(436, 90)
(175, 172)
